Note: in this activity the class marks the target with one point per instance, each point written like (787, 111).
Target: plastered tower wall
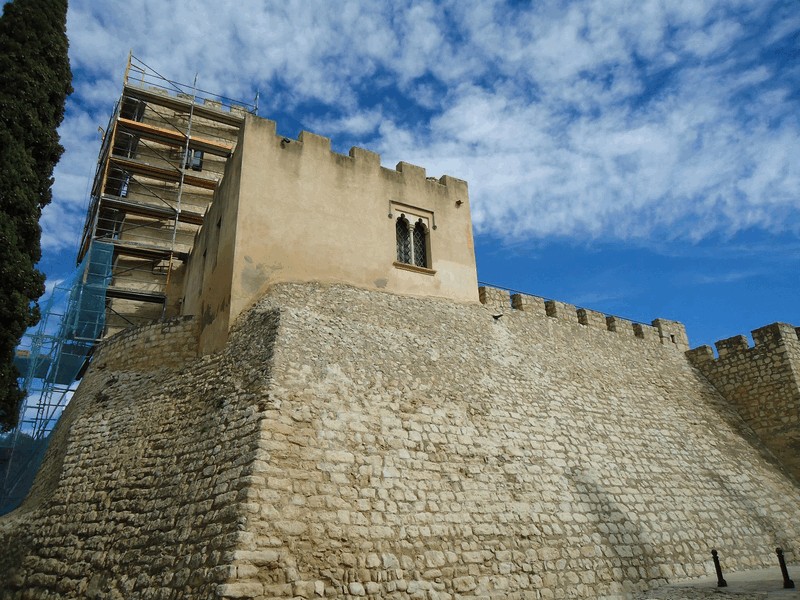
(300, 212)
(763, 383)
(208, 277)
(355, 443)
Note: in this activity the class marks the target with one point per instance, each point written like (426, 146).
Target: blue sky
(640, 158)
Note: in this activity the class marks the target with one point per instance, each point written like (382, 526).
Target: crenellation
(411, 172)
(775, 335)
(312, 141)
(619, 325)
(701, 355)
(372, 159)
(528, 303)
(494, 298)
(561, 310)
(646, 332)
(672, 332)
(238, 109)
(592, 318)
(737, 343)
(454, 183)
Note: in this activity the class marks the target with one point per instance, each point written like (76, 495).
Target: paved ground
(744, 585)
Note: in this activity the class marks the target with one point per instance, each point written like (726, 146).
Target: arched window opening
(420, 244)
(403, 240)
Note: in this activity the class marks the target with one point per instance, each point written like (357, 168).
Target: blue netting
(50, 360)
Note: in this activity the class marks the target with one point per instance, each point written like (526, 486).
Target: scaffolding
(162, 155)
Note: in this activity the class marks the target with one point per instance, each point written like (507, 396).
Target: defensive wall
(170, 343)
(360, 444)
(762, 383)
(661, 331)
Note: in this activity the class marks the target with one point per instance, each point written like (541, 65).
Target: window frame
(194, 159)
(416, 219)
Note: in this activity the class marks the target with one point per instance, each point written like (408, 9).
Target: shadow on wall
(18, 467)
(631, 562)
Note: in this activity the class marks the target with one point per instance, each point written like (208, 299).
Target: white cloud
(609, 119)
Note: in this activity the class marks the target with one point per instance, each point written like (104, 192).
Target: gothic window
(403, 240)
(412, 242)
(420, 244)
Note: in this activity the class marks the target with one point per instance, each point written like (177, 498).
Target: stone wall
(164, 344)
(430, 449)
(353, 443)
(660, 331)
(139, 493)
(763, 383)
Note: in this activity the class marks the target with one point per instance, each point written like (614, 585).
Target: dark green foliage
(34, 83)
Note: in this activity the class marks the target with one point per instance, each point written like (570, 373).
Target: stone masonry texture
(358, 444)
(763, 383)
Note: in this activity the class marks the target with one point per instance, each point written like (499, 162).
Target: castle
(327, 405)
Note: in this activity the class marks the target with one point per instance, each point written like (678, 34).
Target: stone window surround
(414, 215)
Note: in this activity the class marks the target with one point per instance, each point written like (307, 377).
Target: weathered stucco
(293, 210)
(353, 443)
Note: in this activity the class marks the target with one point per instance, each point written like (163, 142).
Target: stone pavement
(743, 585)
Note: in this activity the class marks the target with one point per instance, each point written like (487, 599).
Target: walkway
(743, 585)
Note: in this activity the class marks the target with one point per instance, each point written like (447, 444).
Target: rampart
(170, 343)
(359, 444)
(661, 331)
(763, 383)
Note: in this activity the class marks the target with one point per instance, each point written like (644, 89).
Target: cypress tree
(34, 83)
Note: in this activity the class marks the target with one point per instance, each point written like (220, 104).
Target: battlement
(294, 210)
(661, 331)
(318, 146)
(180, 100)
(761, 381)
(770, 338)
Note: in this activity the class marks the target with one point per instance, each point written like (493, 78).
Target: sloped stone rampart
(763, 383)
(426, 449)
(358, 444)
(140, 492)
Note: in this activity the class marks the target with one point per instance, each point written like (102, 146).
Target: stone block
(621, 326)
(592, 318)
(527, 303)
(775, 334)
(732, 345)
(646, 332)
(561, 310)
(494, 297)
(244, 589)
